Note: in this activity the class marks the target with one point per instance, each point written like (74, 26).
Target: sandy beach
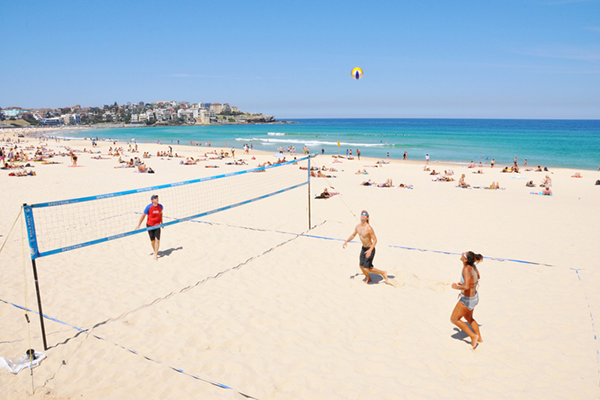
(283, 312)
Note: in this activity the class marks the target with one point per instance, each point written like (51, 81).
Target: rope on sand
(181, 371)
(593, 323)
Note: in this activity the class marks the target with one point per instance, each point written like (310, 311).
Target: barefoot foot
(475, 342)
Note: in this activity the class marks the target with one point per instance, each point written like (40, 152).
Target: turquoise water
(551, 143)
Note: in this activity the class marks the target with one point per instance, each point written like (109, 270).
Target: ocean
(549, 143)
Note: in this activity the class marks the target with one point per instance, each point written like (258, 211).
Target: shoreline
(32, 133)
(35, 133)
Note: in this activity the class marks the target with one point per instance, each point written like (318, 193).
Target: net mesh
(66, 225)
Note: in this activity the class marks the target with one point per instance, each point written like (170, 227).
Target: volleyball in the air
(357, 73)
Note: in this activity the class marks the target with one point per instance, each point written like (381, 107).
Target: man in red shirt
(155, 217)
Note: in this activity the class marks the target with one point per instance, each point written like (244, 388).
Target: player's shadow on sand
(167, 252)
(460, 335)
(375, 278)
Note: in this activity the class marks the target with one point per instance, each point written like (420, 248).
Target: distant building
(51, 121)
(205, 117)
(74, 119)
(216, 107)
(13, 112)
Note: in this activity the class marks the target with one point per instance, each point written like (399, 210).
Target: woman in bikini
(469, 297)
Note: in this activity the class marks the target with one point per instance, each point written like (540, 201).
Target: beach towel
(541, 193)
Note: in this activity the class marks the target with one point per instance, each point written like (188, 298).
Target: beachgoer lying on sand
(363, 172)
(23, 173)
(128, 165)
(319, 174)
(10, 166)
(493, 186)
(462, 183)
(538, 169)
(388, 183)
(367, 183)
(426, 168)
(382, 162)
(211, 166)
(469, 298)
(434, 173)
(403, 186)
(547, 191)
(479, 171)
(326, 194)
(444, 179)
(530, 184)
(142, 168)
(577, 175)
(506, 169)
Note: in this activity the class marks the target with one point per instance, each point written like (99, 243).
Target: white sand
(298, 322)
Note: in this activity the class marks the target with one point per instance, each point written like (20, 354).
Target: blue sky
(421, 59)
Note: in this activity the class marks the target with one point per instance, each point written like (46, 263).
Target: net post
(309, 211)
(34, 253)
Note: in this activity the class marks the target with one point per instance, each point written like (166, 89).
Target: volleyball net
(60, 226)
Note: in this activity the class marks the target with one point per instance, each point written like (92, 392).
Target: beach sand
(274, 314)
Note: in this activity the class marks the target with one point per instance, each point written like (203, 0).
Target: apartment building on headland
(157, 113)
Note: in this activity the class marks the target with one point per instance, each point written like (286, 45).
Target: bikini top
(462, 279)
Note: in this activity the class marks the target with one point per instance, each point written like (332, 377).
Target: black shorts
(154, 234)
(363, 260)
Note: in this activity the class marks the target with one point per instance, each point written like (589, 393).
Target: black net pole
(39, 301)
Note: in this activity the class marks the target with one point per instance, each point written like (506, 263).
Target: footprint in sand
(395, 283)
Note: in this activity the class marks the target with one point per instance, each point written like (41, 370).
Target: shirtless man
(367, 253)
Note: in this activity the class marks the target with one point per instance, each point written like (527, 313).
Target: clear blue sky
(292, 59)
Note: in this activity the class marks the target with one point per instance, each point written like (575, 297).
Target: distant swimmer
(367, 252)
(469, 298)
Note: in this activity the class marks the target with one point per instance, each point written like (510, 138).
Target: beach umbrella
(279, 155)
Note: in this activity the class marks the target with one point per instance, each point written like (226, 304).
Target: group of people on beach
(469, 278)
